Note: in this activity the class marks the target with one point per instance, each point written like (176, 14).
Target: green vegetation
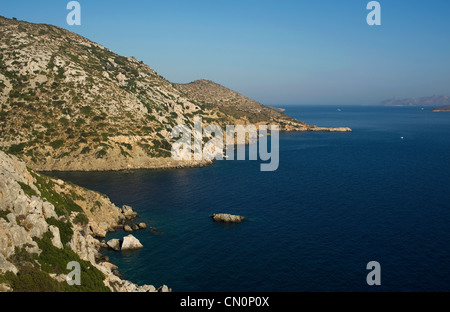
(81, 219)
(54, 260)
(65, 229)
(34, 271)
(31, 279)
(63, 203)
(85, 150)
(123, 152)
(17, 149)
(27, 189)
(101, 153)
(57, 144)
(4, 213)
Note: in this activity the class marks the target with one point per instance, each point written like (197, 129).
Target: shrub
(57, 144)
(55, 260)
(31, 279)
(65, 229)
(4, 213)
(81, 219)
(16, 149)
(101, 153)
(27, 189)
(85, 150)
(64, 205)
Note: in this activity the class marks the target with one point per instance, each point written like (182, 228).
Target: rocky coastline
(35, 209)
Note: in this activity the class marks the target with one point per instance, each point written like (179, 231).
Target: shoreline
(112, 164)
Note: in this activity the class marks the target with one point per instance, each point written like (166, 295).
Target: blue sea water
(336, 202)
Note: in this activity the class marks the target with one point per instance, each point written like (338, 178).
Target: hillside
(47, 223)
(68, 103)
(214, 96)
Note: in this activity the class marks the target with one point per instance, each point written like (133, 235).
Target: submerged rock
(155, 230)
(224, 217)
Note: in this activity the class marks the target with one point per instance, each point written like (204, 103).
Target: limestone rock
(114, 244)
(223, 217)
(38, 225)
(5, 288)
(146, 288)
(11, 236)
(56, 240)
(130, 243)
(142, 225)
(6, 266)
(127, 228)
(164, 288)
(48, 210)
(128, 212)
(135, 227)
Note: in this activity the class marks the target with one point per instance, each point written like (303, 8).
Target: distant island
(445, 108)
(435, 100)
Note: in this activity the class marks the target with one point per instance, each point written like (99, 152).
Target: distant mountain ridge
(435, 100)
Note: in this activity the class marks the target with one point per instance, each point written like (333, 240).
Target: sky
(280, 52)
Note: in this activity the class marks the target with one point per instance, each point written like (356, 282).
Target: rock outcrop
(114, 244)
(35, 209)
(127, 243)
(131, 243)
(228, 218)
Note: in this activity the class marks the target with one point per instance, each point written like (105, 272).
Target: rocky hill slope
(67, 103)
(47, 223)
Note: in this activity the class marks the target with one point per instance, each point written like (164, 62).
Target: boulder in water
(224, 217)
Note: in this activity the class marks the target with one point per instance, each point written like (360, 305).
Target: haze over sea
(336, 202)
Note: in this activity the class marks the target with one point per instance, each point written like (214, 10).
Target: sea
(336, 202)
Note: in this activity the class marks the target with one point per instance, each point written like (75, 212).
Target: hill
(68, 103)
(47, 223)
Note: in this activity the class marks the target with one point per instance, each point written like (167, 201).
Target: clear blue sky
(276, 52)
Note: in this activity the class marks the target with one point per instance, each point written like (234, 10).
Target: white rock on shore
(114, 244)
(130, 243)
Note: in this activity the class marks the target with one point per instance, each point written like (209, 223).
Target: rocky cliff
(47, 223)
(67, 103)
